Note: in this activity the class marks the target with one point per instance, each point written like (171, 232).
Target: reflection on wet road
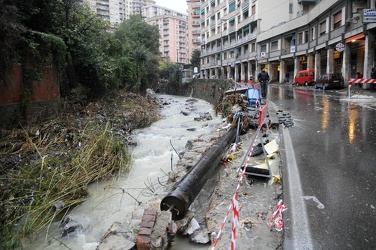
(333, 141)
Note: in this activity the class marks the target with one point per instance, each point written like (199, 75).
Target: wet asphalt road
(329, 170)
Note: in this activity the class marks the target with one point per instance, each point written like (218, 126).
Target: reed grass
(29, 194)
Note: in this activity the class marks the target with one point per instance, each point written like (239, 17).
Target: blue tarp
(253, 96)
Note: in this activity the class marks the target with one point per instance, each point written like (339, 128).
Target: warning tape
(235, 220)
(276, 218)
(235, 197)
(361, 80)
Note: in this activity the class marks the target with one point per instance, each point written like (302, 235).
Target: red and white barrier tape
(235, 197)
(361, 80)
(235, 220)
(276, 219)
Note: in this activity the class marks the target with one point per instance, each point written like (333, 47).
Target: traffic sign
(340, 47)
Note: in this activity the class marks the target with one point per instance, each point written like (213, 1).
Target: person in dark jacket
(287, 77)
(263, 78)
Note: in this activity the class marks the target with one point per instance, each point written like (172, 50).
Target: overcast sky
(177, 5)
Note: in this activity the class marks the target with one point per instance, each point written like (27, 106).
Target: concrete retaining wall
(210, 90)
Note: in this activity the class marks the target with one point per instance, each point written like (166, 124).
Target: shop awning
(354, 38)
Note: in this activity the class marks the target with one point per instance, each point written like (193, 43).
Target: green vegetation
(45, 169)
(85, 48)
(55, 165)
(30, 193)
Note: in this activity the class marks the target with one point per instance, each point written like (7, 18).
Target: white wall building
(239, 37)
(116, 11)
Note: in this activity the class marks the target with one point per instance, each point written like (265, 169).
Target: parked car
(326, 81)
(305, 77)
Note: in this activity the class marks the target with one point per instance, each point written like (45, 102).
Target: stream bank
(258, 198)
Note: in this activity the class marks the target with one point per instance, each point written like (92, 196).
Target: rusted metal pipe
(184, 192)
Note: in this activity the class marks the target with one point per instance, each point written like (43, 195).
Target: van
(305, 77)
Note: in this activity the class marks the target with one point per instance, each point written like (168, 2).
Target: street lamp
(221, 54)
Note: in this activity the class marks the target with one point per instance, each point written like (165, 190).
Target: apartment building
(173, 31)
(194, 30)
(240, 37)
(108, 10)
(116, 11)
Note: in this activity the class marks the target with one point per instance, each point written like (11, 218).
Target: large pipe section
(185, 192)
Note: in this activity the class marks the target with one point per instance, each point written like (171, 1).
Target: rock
(192, 226)
(116, 242)
(74, 224)
(58, 205)
(183, 224)
(200, 237)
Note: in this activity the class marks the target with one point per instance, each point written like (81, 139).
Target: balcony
(196, 6)
(196, 32)
(196, 41)
(307, 2)
(195, 24)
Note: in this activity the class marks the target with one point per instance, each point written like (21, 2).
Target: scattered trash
(257, 150)
(230, 158)
(271, 147)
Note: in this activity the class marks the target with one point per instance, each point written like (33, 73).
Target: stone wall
(210, 90)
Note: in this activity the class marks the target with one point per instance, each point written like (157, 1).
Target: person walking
(287, 77)
(263, 78)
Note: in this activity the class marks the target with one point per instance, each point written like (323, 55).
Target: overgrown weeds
(34, 194)
(45, 169)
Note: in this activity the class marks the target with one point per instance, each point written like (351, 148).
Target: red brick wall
(10, 88)
(43, 101)
(46, 90)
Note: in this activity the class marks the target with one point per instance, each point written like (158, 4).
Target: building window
(323, 28)
(274, 46)
(263, 48)
(253, 9)
(337, 20)
(313, 36)
(231, 7)
(290, 8)
(306, 36)
(253, 47)
(300, 38)
(245, 14)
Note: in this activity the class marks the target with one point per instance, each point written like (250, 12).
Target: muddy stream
(153, 158)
